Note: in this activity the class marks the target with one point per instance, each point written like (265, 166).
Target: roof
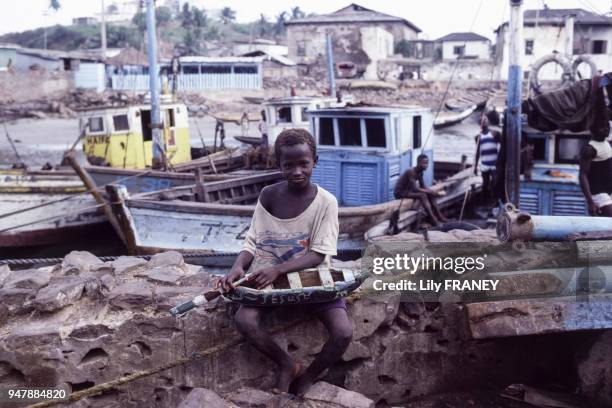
(558, 16)
(353, 13)
(278, 58)
(220, 60)
(129, 56)
(462, 37)
(55, 55)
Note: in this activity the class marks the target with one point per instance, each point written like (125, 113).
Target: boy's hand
(225, 283)
(265, 276)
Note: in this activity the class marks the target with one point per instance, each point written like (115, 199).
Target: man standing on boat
(596, 174)
(487, 148)
(411, 185)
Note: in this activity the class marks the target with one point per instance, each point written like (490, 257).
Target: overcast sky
(435, 17)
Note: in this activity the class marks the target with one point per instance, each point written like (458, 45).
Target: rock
(5, 272)
(370, 314)
(126, 264)
(201, 397)
(78, 262)
(332, 394)
(133, 295)
(251, 398)
(355, 351)
(202, 279)
(170, 258)
(28, 279)
(167, 297)
(164, 275)
(17, 300)
(594, 371)
(60, 293)
(4, 314)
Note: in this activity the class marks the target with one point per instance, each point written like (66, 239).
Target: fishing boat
(25, 220)
(450, 118)
(362, 152)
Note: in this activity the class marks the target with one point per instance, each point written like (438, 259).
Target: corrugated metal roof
(558, 16)
(463, 37)
(351, 14)
(220, 60)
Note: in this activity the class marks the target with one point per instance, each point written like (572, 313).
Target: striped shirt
(488, 151)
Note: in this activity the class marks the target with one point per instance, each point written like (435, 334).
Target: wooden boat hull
(447, 119)
(340, 284)
(18, 192)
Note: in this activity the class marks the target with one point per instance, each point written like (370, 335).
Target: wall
(33, 85)
(467, 70)
(7, 54)
(24, 61)
(377, 44)
(548, 39)
(270, 49)
(90, 76)
(478, 49)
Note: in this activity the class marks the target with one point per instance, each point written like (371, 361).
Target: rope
(31, 261)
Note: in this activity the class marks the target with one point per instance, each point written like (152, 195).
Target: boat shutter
(327, 175)
(359, 184)
(529, 201)
(568, 203)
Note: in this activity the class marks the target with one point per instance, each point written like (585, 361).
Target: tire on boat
(580, 59)
(566, 78)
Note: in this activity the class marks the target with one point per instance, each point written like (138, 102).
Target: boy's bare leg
(436, 210)
(248, 322)
(424, 199)
(340, 330)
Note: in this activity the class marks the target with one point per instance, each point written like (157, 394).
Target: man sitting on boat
(294, 227)
(487, 148)
(411, 185)
(596, 174)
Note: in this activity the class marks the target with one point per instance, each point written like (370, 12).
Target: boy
(294, 227)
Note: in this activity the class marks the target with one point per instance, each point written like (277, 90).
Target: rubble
(97, 324)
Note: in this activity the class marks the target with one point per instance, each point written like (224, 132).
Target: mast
(103, 33)
(513, 112)
(330, 66)
(159, 156)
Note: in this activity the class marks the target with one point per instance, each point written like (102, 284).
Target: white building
(547, 31)
(465, 46)
(259, 44)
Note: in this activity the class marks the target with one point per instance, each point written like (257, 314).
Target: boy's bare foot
(301, 385)
(286, 377)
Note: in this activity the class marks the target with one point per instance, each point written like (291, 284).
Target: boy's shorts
(309, 308)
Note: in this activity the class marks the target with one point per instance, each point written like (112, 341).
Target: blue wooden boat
(553, 187)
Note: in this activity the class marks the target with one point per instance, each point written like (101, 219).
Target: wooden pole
(513, 120)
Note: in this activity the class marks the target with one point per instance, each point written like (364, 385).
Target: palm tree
(227, 15)
(263, 25)
(296, 12)
(279, 26)
(55, 5)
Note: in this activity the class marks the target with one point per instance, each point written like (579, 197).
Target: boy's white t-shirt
(273, 240)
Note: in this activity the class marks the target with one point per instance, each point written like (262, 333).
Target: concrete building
(565, 31)
(464, 46)
(361, 37)
(84, 21)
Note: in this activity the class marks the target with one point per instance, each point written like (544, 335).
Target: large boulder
(595, 371)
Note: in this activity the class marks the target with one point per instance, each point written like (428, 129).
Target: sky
(435, 17)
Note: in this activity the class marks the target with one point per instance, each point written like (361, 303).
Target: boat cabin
(553, 187)
(122, 136)
(290, 113)
(364, 150)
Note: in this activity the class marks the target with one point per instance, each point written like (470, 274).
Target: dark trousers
(489, 180)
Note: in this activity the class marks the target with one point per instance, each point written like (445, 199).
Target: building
(84, 21)
(464, 46)
(8, 55)
(567, 31)
(360, 37)
(259, 44)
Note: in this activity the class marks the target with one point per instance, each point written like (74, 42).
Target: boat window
(326, 131)
(539, 147)
(349, 130)
(145, 120)
(568, 149)
(375, 132)
(120, 123)
(96, 124)
(305, 114)
(416, 132)
(283, 115)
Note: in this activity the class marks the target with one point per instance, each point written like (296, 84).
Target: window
(599, 47)
(375, 132)
(301, 48)
(349, 131)
(305, 115)
(459, 50)
(326, 131)
(191, 69)
(568, 149)
(416, 132)
(539, 147)
(529, 47)
(120, 123)
(96, 124)
(170, 118)
(216, 69)
(145, 120)
(246, 69)
(283, 115)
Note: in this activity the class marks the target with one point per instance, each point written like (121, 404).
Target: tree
(296, 12)
(54, 4)
(279, 26)
(162, 15)
(186, 16)
(227, 15)
(262, 25)
(112, 9)
(200, 19)
(140, 21)
(403, 47)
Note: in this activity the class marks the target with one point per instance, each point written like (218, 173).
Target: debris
(541, 398)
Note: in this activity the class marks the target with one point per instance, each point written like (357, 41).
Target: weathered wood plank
(509, 318)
